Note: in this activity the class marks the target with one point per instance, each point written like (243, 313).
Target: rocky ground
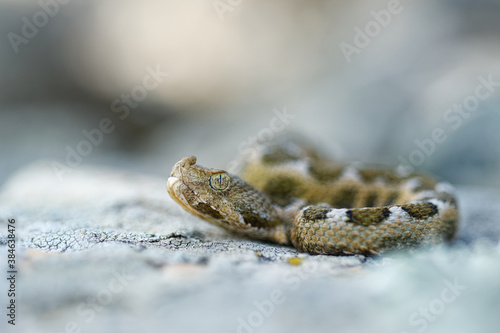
(106, 250)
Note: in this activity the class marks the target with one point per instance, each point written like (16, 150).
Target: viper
(287, 193)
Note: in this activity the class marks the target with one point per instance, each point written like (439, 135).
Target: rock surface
(109, 251)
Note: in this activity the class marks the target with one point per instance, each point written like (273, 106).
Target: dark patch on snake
(426, 183)
(324, 172)
(391, 199)
(278, 155)
(253, 217)
(312, 213)
(344, 198)
(368, 216)
(282, 190)
(370, 199)
(446, 197)
(420, 211)
(206, 209)
(369, 176)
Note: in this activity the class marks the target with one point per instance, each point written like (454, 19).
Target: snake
(288, 193)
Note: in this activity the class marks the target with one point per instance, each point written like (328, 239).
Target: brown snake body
(288, 194)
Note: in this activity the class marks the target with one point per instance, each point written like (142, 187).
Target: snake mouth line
(179, 191)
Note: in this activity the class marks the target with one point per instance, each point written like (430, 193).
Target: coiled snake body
(288, 194)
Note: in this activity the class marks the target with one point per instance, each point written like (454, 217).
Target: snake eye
(219, 181)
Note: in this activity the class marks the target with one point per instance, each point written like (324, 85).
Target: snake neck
(287, 216)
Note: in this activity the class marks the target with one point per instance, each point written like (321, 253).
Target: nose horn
(191, 160)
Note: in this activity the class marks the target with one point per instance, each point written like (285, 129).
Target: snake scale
(288, 194)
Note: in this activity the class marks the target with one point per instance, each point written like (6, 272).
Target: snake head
(187, 185)
(224, 200)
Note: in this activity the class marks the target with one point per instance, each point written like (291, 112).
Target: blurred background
(137, 85)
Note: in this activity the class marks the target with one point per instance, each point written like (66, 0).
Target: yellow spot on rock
(295, 261)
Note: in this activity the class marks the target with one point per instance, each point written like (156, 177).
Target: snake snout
(189, 160)
(182, 165)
